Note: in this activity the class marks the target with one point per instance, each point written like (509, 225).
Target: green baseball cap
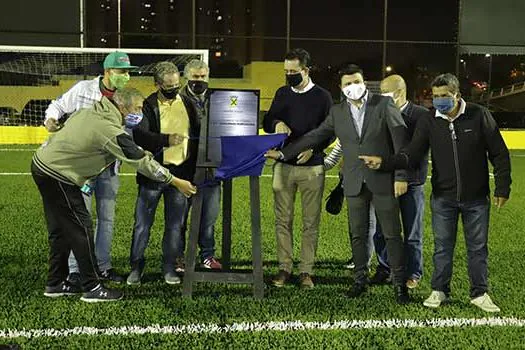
(119, 60)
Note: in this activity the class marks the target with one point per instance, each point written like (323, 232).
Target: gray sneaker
(171, 278)
(134, 277)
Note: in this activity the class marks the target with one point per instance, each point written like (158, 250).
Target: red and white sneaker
(212, 263)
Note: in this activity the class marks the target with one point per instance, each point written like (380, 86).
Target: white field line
(133, 174)
(201, 328)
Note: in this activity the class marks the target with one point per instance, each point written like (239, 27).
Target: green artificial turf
(23, 268)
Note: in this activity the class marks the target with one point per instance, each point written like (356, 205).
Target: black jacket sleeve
(143, 134)
(398, 133)
(498, 155)
(323, 145)
(411, 155)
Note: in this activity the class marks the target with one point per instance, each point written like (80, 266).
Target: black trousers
(387, 212)
(69, 227)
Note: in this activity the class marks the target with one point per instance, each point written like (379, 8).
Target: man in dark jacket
(412, 203)
(461, 137)
(197, 74)
(170, 131)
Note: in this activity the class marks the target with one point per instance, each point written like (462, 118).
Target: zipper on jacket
(456, 159)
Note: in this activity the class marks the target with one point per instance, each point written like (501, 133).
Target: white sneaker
(435, 299)
(485, 303)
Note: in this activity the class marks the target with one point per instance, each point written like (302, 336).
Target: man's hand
(52, 125)
(305, 156)
(500, 201)
(373, 162)
(184, 186)
(282, 128)
(273, 154)
(175, 139)
(400, 188)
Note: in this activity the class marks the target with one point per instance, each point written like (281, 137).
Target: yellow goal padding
(20, 135)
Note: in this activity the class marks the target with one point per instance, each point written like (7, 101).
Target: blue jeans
(475, 217)
(211, 207)
(105, 190)
(412, 207)
(175, 207)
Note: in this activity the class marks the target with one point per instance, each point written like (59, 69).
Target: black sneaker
(111, 275)
(100, 293)
(74, 278)
(64, 288)
(382, 276)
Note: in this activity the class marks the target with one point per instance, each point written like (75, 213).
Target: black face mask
(294, 79)
(198, 86)
(170, 94)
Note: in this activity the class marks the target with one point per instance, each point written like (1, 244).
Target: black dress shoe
(401, 294)
(382, 276)
(356, 290)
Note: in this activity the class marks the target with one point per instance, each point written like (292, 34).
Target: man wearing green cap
(85, 94)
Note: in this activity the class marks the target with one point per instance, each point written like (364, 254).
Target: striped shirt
(334, 157)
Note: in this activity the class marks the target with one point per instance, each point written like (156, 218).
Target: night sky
(421, 36)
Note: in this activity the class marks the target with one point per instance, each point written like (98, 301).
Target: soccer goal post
(32, 76)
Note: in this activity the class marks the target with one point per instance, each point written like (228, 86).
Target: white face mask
(354, 91)
(389, 94)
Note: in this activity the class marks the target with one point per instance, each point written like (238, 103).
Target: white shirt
(307, 88)
(358, 113)
(83, 94)
(403, 107)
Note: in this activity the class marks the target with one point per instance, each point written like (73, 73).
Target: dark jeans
(412, 206)
(175, 206)
(211, 206)
(475, 217)
(69, 229)
(387, 211)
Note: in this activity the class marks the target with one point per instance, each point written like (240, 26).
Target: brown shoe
(305, 281)
(412, 283)
(281, 278)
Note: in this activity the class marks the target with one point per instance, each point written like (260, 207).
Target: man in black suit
(364, 123)
(412, 203)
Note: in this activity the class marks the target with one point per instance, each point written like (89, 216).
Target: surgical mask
(198, 86)
(443, 104)
(118, 81)
(391, 95)
(354, 91)
(170, 94)
(294, 79)
(132, 120)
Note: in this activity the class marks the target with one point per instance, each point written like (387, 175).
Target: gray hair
(125, 96)
(162, 69)
(195, 64)
(449, 80)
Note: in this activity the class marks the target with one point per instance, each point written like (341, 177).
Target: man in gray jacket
(91, 141)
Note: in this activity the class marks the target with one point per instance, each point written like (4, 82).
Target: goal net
(31, 77)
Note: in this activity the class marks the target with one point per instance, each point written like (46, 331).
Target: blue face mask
(132, 120)
(443, 104)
